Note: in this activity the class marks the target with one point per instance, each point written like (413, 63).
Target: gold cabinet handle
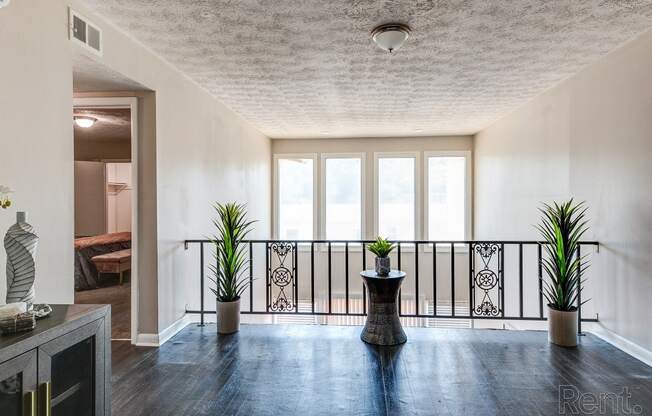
(46, 392)
(30, 404)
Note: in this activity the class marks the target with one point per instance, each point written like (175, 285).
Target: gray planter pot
(382, 266)
(562, 327)
(228, 317)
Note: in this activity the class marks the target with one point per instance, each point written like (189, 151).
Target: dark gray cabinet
(18, 385)
(70, 372)
(62, 369)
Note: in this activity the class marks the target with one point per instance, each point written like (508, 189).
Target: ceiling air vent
(85, 33)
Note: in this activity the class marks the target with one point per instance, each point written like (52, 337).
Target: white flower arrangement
(5, 202)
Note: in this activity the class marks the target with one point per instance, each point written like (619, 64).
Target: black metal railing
(480, 289)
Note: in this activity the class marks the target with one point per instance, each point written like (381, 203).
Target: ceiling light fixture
(84, 121)
(391, 36)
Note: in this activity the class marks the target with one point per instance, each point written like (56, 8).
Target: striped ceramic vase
(20, 244)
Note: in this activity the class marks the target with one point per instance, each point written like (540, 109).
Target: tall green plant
(562, 227)
(230, 266)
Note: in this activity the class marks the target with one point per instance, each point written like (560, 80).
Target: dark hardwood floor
(116, 295)
(327, 370)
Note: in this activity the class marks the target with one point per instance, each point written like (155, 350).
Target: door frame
(132, 104)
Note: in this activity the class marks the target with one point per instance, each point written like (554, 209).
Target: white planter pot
(562, 327)
(228, 317)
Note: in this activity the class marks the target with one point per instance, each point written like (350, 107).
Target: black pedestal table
(383, 326)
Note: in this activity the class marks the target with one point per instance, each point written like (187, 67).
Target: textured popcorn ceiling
(307, 68)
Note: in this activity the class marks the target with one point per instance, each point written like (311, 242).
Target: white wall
(36, 143)
(591, 138)
(193, 151)
(204, 153)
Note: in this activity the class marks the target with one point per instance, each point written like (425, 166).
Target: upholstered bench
(115, 262)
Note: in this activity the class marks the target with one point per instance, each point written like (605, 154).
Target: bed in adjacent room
(86, 274)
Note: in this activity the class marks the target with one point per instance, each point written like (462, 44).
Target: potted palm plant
(562, 227)
(230, 266)
(381, 248)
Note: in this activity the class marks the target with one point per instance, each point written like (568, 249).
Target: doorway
(105, 254)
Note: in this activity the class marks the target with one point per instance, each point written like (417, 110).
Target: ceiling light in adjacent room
(391, 36)
(84, 121)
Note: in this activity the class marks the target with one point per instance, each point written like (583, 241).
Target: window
(396, 196)
(295, 198)
(416, 195)
(446, 199)
(342, 183)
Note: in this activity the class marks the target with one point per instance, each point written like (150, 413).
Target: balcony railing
(494, 280)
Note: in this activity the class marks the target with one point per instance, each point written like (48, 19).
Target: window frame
(322, 190)
(315, 191)
(417, 188)
(371, 196)
(468, 192)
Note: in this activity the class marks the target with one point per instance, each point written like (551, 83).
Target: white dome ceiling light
(4, 3)
(391, 36)
(84, 121)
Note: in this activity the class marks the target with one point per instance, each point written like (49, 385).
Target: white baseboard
(172, 330)
(156, 340)
(621, 343)
(147, 340)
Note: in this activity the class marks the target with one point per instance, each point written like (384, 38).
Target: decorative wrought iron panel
(486, 279)
(281, 277)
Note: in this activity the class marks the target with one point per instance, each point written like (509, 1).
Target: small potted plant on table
(382, 248)
(562, 227)
(230, 265)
